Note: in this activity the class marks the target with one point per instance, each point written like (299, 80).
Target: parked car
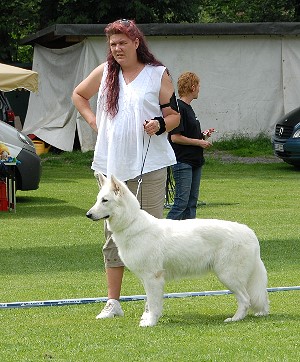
(286, 140)
(7, 115)
(18, 145)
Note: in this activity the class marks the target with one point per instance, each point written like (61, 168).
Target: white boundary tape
(62, 302)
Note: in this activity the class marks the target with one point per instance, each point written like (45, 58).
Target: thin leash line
(140, 180)
(129, 298)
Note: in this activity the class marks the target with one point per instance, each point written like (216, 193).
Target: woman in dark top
(188, 142)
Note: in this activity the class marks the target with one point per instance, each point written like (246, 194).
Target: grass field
(50, 250)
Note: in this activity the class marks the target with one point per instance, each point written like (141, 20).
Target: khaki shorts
(152, 191)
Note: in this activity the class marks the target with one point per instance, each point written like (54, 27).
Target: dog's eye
(104, 200)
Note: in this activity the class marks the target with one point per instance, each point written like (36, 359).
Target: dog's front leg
(154, 287)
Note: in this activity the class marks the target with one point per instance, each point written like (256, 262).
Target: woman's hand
(151, 126)
(204, 144)
(207, 133)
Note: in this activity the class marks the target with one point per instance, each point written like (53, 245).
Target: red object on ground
(3, 197)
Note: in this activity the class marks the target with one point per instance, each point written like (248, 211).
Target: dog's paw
(232, 319)
(228, 320)
(147, 321)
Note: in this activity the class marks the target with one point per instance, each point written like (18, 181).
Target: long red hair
(129, 28)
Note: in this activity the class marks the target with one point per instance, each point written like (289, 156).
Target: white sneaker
(111, 309)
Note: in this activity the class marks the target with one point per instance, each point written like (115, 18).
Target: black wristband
(162, 125)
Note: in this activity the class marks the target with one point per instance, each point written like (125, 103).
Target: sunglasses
(125, 22)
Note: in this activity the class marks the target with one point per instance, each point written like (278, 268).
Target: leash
(140, 180)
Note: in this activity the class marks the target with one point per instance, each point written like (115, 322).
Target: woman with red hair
(136, 108)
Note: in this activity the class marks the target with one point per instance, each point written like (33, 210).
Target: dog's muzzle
(91, 216)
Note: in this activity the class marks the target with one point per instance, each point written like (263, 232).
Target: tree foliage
(95, 11)
(245, 11)
(19, 19)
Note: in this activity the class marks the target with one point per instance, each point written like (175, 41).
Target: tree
(242, 11)
(95, 11)
(17, 19)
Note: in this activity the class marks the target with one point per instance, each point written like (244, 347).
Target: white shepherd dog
(156, 250)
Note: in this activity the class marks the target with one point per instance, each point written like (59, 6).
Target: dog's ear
(116, 185)
(100, 179)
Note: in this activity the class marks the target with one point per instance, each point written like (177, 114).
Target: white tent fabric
(51, 115)
(247, 82)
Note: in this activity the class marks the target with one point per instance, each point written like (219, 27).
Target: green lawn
(50, 250)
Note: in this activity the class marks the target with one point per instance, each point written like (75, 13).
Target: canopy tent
(12, 78)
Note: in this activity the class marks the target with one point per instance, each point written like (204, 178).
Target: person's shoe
(111, 309)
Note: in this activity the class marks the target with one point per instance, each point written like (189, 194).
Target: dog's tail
(257, 289)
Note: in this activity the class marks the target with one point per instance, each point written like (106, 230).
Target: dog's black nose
(89, 215)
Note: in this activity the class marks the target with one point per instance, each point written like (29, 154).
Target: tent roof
(62, 35)
(17, 78)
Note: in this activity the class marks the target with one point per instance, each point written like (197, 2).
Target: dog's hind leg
(243, 301)
(237, 287)
(154, 287)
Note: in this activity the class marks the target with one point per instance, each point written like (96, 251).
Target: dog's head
(112, 196)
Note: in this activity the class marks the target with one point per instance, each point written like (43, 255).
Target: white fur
(157, 250)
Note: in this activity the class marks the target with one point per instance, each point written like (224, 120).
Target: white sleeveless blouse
(121, 142)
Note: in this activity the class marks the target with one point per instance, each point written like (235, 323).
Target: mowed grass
(50, 250)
